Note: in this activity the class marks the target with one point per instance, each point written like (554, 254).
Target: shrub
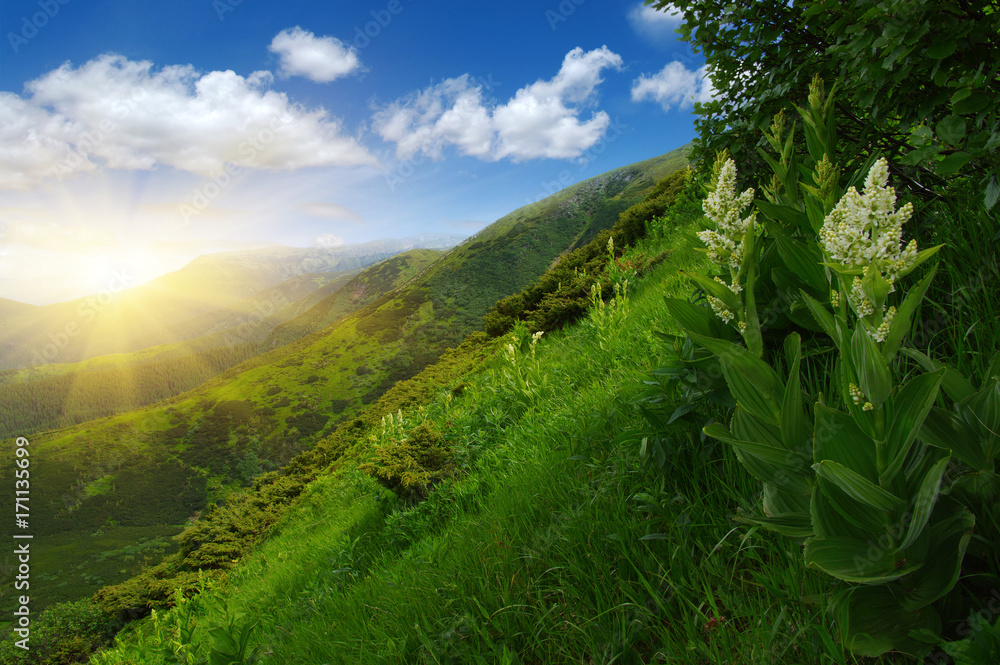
(410, 462)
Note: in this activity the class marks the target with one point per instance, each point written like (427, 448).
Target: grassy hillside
(359, 291)
(544, 539)
(154, 467)
(531, 506)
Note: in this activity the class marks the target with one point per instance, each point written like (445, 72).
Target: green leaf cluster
(920, 80)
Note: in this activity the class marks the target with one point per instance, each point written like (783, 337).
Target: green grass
(553, 544)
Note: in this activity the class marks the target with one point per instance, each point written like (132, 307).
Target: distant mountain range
(209, 294)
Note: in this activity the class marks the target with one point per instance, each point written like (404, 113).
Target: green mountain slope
(359, 291)
(532, 544)
(176, 306)
(60, 395)
(145, 471)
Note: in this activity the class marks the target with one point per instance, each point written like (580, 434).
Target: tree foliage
(918, 81)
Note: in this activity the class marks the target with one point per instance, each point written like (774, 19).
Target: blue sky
(137, 135)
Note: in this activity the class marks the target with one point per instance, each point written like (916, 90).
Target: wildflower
(857, 395)
(882, 332)
(859, 300)
(835, 298)
(537, 336)
(865, 229)
(725, 243)
(720, 309)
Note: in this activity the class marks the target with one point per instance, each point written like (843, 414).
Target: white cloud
(655, 24)
(34, 144)
(674, 85)
(541, 120)
(331, 211)
(116, 113)
(329, 241)
(320, 59)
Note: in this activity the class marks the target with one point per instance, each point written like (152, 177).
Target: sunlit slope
(144, 468)
(177, 306)
(359, 291)
(60, 395)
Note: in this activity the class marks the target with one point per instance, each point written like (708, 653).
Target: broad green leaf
(992, 192)
(956, 386)
(224, 643)
(718, 290)
(838, 438)
(918, 155)
(751, 332)
(794, 428)
(857, 486)
(816, 209)
(900, 325)
(922, 256)
(923, 502)
(692, 318)
(910, 406)
(876, 286)
(982, 412)
(943, 429)
(855, 560)
(873, 622)
(789, 217)
(860, 517)
(993, 371)
(767, 464)
(951, 129)
(827, 518)
(804, 259)
(950, 530)
(750, 428)
(778, 502)
(790, 525)
(870, 367)
(753, 383)
(824, 318)
(953, 162)
(974, 103)
(942, 49)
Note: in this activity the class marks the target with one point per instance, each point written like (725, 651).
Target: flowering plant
(729, 241)
(855, 485)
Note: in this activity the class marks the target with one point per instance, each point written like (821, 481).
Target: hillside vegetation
(60, 395)
(176, 307)
(107, 485)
